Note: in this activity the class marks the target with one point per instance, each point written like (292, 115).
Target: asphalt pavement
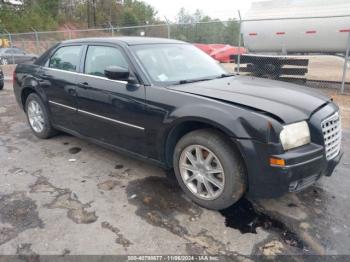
(65, 196)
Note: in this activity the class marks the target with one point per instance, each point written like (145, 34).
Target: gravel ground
(65, 196)
(343, 101)
(8, 71)
(321, 68)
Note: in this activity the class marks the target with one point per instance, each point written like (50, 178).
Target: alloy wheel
(202, 172)
(36, 116)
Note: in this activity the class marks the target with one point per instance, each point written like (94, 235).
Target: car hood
(288, 102)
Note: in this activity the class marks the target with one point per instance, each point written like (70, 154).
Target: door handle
(84, 85)
(43, 75)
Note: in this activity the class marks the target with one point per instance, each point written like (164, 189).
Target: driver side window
(98, 58)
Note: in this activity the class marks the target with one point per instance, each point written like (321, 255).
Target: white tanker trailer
(271, 29)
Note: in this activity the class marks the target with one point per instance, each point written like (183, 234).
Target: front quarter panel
(168, 109)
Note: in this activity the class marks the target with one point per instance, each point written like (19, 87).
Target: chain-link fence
(313, 50)
(310, 50)
(37, 42)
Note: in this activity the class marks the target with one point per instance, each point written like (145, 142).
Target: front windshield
(173, 63)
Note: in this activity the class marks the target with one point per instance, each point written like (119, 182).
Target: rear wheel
(1, 85)
(209, 169)
(38, 117)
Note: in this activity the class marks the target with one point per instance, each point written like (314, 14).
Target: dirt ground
(326, 68)
(343, 101)
(321, 68)
(65, 196)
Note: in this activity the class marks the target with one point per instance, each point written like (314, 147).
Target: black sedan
(15, 55)
(167, 102)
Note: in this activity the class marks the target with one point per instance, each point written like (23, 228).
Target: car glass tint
(66, 58)
(98, 58)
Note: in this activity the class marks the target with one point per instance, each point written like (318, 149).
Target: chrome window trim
(92, 76)
(98, 116)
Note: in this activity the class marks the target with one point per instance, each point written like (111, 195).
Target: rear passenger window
(98, 58)
(66, 58)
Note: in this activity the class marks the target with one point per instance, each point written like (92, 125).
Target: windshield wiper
(226, 75)
(188, 81)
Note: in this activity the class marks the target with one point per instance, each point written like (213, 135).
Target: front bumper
(304, 166)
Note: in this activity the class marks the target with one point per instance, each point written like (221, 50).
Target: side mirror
(117, 73)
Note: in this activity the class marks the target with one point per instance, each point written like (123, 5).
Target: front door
(110, 111)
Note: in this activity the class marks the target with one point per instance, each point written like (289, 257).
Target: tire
(47, 130)
(2, 85)
(232, 180)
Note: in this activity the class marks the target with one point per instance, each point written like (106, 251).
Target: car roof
(126, 40)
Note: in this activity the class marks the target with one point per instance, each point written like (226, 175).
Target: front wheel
(38, 117)
(209, 169)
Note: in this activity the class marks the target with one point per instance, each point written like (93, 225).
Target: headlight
(295, 135)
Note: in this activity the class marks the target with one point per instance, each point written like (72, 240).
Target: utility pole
(88, 12)
(168, 27)
(345, 69)
(94, 11)
(239, 43)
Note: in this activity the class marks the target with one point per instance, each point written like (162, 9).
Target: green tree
(201, 28)
(144, 12)
(49, 14)
(30, 14)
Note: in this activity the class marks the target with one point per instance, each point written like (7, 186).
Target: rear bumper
(304, 166)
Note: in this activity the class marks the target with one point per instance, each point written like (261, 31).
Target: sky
(222, 9)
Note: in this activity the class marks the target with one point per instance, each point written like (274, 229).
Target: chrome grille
(331, 128)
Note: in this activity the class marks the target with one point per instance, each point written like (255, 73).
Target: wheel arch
(29, 86)
(26, 91)
(187, 125)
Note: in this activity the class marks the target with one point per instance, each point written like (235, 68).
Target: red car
(221, 52)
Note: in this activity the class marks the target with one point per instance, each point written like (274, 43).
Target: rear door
(59, 80)
(110, 111)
